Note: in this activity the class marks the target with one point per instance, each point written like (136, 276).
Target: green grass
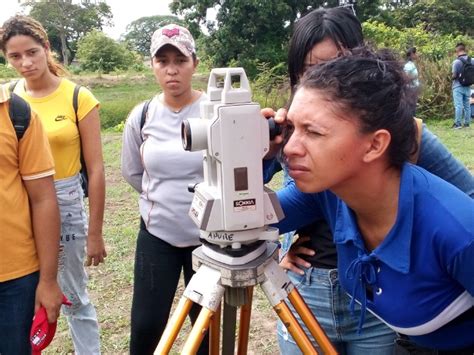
(118, 95)
(459, 141)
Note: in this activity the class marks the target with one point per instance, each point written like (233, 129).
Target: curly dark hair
(372, 86)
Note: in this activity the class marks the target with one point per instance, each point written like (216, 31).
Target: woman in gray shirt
(156, 165)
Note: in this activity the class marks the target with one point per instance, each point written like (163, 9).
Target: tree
(441, 16)
(245, 32)
(66, 22)
(248, 32)
(97, 52)
(138, 33)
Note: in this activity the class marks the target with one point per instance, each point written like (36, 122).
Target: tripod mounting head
(231, 206)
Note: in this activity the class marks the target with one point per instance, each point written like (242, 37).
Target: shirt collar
(395, 248)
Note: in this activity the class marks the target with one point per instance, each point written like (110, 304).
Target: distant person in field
(156, 165)
(29, 236)
(412, 73)
(71, 121)
(461, 93)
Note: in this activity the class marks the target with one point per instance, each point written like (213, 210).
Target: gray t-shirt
(456, 69)
(156, 165)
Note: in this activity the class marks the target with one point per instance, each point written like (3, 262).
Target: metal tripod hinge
(214, 280)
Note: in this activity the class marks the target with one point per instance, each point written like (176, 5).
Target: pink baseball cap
(42, 332)
(175, 35)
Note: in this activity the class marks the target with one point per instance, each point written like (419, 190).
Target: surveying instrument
(234, 211)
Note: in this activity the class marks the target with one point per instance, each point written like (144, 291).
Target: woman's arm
(132, 168)
(300, 208)
(438, 160)
(89, 128)
(46, 230)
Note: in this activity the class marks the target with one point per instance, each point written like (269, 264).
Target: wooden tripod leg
(310, 321)
(174, 326)
(296, 331)
(215, 332)
(198, 332)
(244, 327)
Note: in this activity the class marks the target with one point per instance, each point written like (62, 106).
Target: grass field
(111, 283)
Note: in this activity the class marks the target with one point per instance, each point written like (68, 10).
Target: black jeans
(158, 267)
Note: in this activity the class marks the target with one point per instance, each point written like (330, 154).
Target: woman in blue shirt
(318, 37)
(404, 237)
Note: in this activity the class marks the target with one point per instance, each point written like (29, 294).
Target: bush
(114, 112)
(271, 85)
(7, 72)
(97, 52)
(434, 64)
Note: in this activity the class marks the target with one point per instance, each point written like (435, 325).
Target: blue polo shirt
(420, 279)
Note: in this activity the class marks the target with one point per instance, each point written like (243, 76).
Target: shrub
(434, 64)
(114, 112)
(97, 52)
(7, 72)
(271, 85)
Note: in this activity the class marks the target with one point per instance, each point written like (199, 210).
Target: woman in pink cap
(155, 164)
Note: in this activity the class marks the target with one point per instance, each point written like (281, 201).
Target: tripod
(214, 280)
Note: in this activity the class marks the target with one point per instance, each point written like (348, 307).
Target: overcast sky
(124, 12)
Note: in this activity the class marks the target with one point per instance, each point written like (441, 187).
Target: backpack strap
(19, 112)
(75, 102)
(83, 172)
(144, 114)
(12, 85)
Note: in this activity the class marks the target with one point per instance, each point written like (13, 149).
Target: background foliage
(255, 34)
(66, 22)
(138, 33)
(97, 52)
(435, 53)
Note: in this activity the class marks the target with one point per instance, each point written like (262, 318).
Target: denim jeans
(81, 316)
(461, 95)
(439, 161)
(17, 304)
(327, 300)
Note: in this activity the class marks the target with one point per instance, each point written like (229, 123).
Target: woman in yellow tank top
(25, 44)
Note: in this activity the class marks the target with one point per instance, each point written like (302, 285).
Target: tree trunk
(64, 49)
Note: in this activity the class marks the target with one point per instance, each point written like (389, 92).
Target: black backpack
(20, 113)
(466, 75)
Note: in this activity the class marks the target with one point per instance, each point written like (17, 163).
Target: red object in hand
(42, 332)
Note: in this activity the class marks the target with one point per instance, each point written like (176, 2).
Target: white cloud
(127, 11)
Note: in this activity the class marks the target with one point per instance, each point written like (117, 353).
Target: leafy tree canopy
(138, 33)
(248, 32)
(97, 52)
(66, 22)
(442, 16)
(245, 32)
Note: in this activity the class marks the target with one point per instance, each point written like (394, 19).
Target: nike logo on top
(60, 118)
